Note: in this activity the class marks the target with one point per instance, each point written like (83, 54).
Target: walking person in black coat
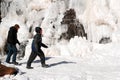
(36, 49)
(11, 44)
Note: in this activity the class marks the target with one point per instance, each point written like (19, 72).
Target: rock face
(75, 28)
(4, 70)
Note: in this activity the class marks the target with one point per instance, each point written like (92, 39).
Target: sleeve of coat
(18, 42)
(43, 45)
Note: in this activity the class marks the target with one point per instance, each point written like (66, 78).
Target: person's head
(17, 26)
(38, 30)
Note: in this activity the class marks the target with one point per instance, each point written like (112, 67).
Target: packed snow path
(67, 68)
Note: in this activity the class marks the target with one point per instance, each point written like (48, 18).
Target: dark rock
(105, 40)
(4, 70)
(75, 28)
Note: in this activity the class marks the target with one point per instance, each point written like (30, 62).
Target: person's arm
(18, 42)
(43, 45)
(38, 40)
(15, 36)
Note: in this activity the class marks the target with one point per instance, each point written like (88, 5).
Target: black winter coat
(12, 36)
(37, 43)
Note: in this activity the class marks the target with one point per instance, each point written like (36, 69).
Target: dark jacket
(12, 36)
(37, 43)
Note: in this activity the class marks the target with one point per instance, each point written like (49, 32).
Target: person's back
(36, 44)
(12, 35)
(11, 44)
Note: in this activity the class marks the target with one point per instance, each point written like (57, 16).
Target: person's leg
(10, 52)
(14, 53)
(42, 57)
(30, 60)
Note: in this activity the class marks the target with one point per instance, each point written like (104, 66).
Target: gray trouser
(33, 55)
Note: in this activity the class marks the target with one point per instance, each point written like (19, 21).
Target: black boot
(29, 67)
(15, 63)
(9, 62)
(45, 65)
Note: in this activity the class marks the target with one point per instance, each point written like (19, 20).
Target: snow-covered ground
(67, 68)
(71, 69)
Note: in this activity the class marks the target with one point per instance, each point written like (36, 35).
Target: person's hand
(19, 43)
(46, 47)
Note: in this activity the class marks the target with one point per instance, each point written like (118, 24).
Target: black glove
(19, 43)
(43, 45)
(46, 47)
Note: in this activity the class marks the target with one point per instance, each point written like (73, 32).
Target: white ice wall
(97, 15)
(101, 18)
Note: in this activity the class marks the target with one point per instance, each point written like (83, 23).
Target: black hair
(37, 29)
